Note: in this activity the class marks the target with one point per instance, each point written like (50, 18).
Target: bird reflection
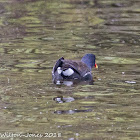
(73, 82)
(61, 99)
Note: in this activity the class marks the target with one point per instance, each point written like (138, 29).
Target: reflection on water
(62, 99)
(73, 82)
(71, 111)
(34, 34)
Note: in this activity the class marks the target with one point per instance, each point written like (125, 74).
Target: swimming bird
(74, 69)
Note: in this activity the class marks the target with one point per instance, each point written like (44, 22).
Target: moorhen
(74, 69)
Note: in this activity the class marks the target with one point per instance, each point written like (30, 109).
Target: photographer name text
(29, 135)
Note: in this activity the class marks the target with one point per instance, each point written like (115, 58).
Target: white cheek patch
(68, 72)
(59, 70)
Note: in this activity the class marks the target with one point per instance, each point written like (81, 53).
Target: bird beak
(96, 66)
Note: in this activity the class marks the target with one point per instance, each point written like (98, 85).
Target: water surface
(34, 34)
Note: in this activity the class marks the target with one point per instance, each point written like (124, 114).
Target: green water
(34, 34)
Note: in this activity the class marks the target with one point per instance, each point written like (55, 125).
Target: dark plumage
(74, 69)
